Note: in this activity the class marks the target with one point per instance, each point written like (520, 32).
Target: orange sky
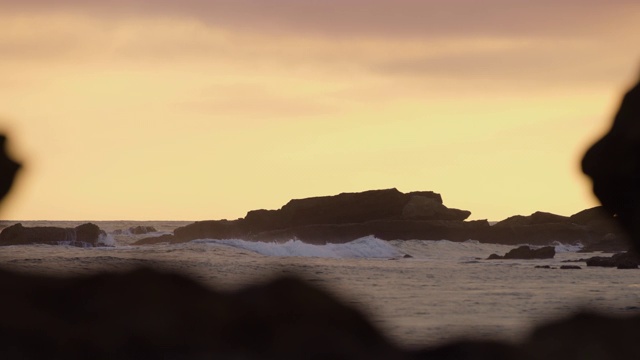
(201, 109)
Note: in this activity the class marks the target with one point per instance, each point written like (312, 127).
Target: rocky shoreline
(386, 214)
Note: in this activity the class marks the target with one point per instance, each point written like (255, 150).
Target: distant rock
(392, 215)
(586, 227)
(609, 243)
(387, 213)
(136, 230)
(570, 267)
(140, 229)
(536, 218)
(625, 260)
(152, 240)
(84, 235)
(543, 267)
(526, 253)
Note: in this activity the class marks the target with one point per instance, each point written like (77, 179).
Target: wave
(367, 247)
(560, 247)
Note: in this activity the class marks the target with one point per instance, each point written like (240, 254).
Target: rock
(625, 260)
(543, 267)
(83, 235)
(609, 243)
(613, 163)
(8, 168)
(584, 336)
(345, 216)
(152, 240)
(536, 218)
(570, 267)
(145, 314)
(140, 230)
(425, 208)
(526, 253)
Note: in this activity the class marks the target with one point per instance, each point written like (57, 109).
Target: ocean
(445, 290)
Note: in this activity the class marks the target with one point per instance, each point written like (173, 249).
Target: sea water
(445, 290)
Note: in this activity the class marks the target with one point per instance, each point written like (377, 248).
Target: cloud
(380, 18)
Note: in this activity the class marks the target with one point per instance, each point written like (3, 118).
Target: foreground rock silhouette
(151, 314)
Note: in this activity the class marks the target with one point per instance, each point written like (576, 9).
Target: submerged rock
(570, 267)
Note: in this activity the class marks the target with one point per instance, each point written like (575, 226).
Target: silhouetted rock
(340, 218)
(609, 243)
(152, 240)
(388, 215)
(145, 314)
(526, 253)
(570, 267)
(8, 168)
(625, 260)
(613, 163)
(82, 235)
(536, 218)
(584, 336)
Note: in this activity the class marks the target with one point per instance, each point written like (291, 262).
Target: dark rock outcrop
(83, 235)
(587, 227)
(527, 253)
(390, 214)
(625, 260)
(536, 218)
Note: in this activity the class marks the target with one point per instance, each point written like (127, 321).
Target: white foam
(366, 247)
(106, 240)
(567, 247)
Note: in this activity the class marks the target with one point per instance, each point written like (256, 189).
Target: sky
(206, 109)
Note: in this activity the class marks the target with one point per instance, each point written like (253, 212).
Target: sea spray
(367, 247)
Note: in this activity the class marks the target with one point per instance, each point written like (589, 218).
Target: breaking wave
(367, 247)
(560, 247)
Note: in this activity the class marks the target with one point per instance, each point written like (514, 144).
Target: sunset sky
(205, 109)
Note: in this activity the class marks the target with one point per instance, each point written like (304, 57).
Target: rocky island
(393, 215)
